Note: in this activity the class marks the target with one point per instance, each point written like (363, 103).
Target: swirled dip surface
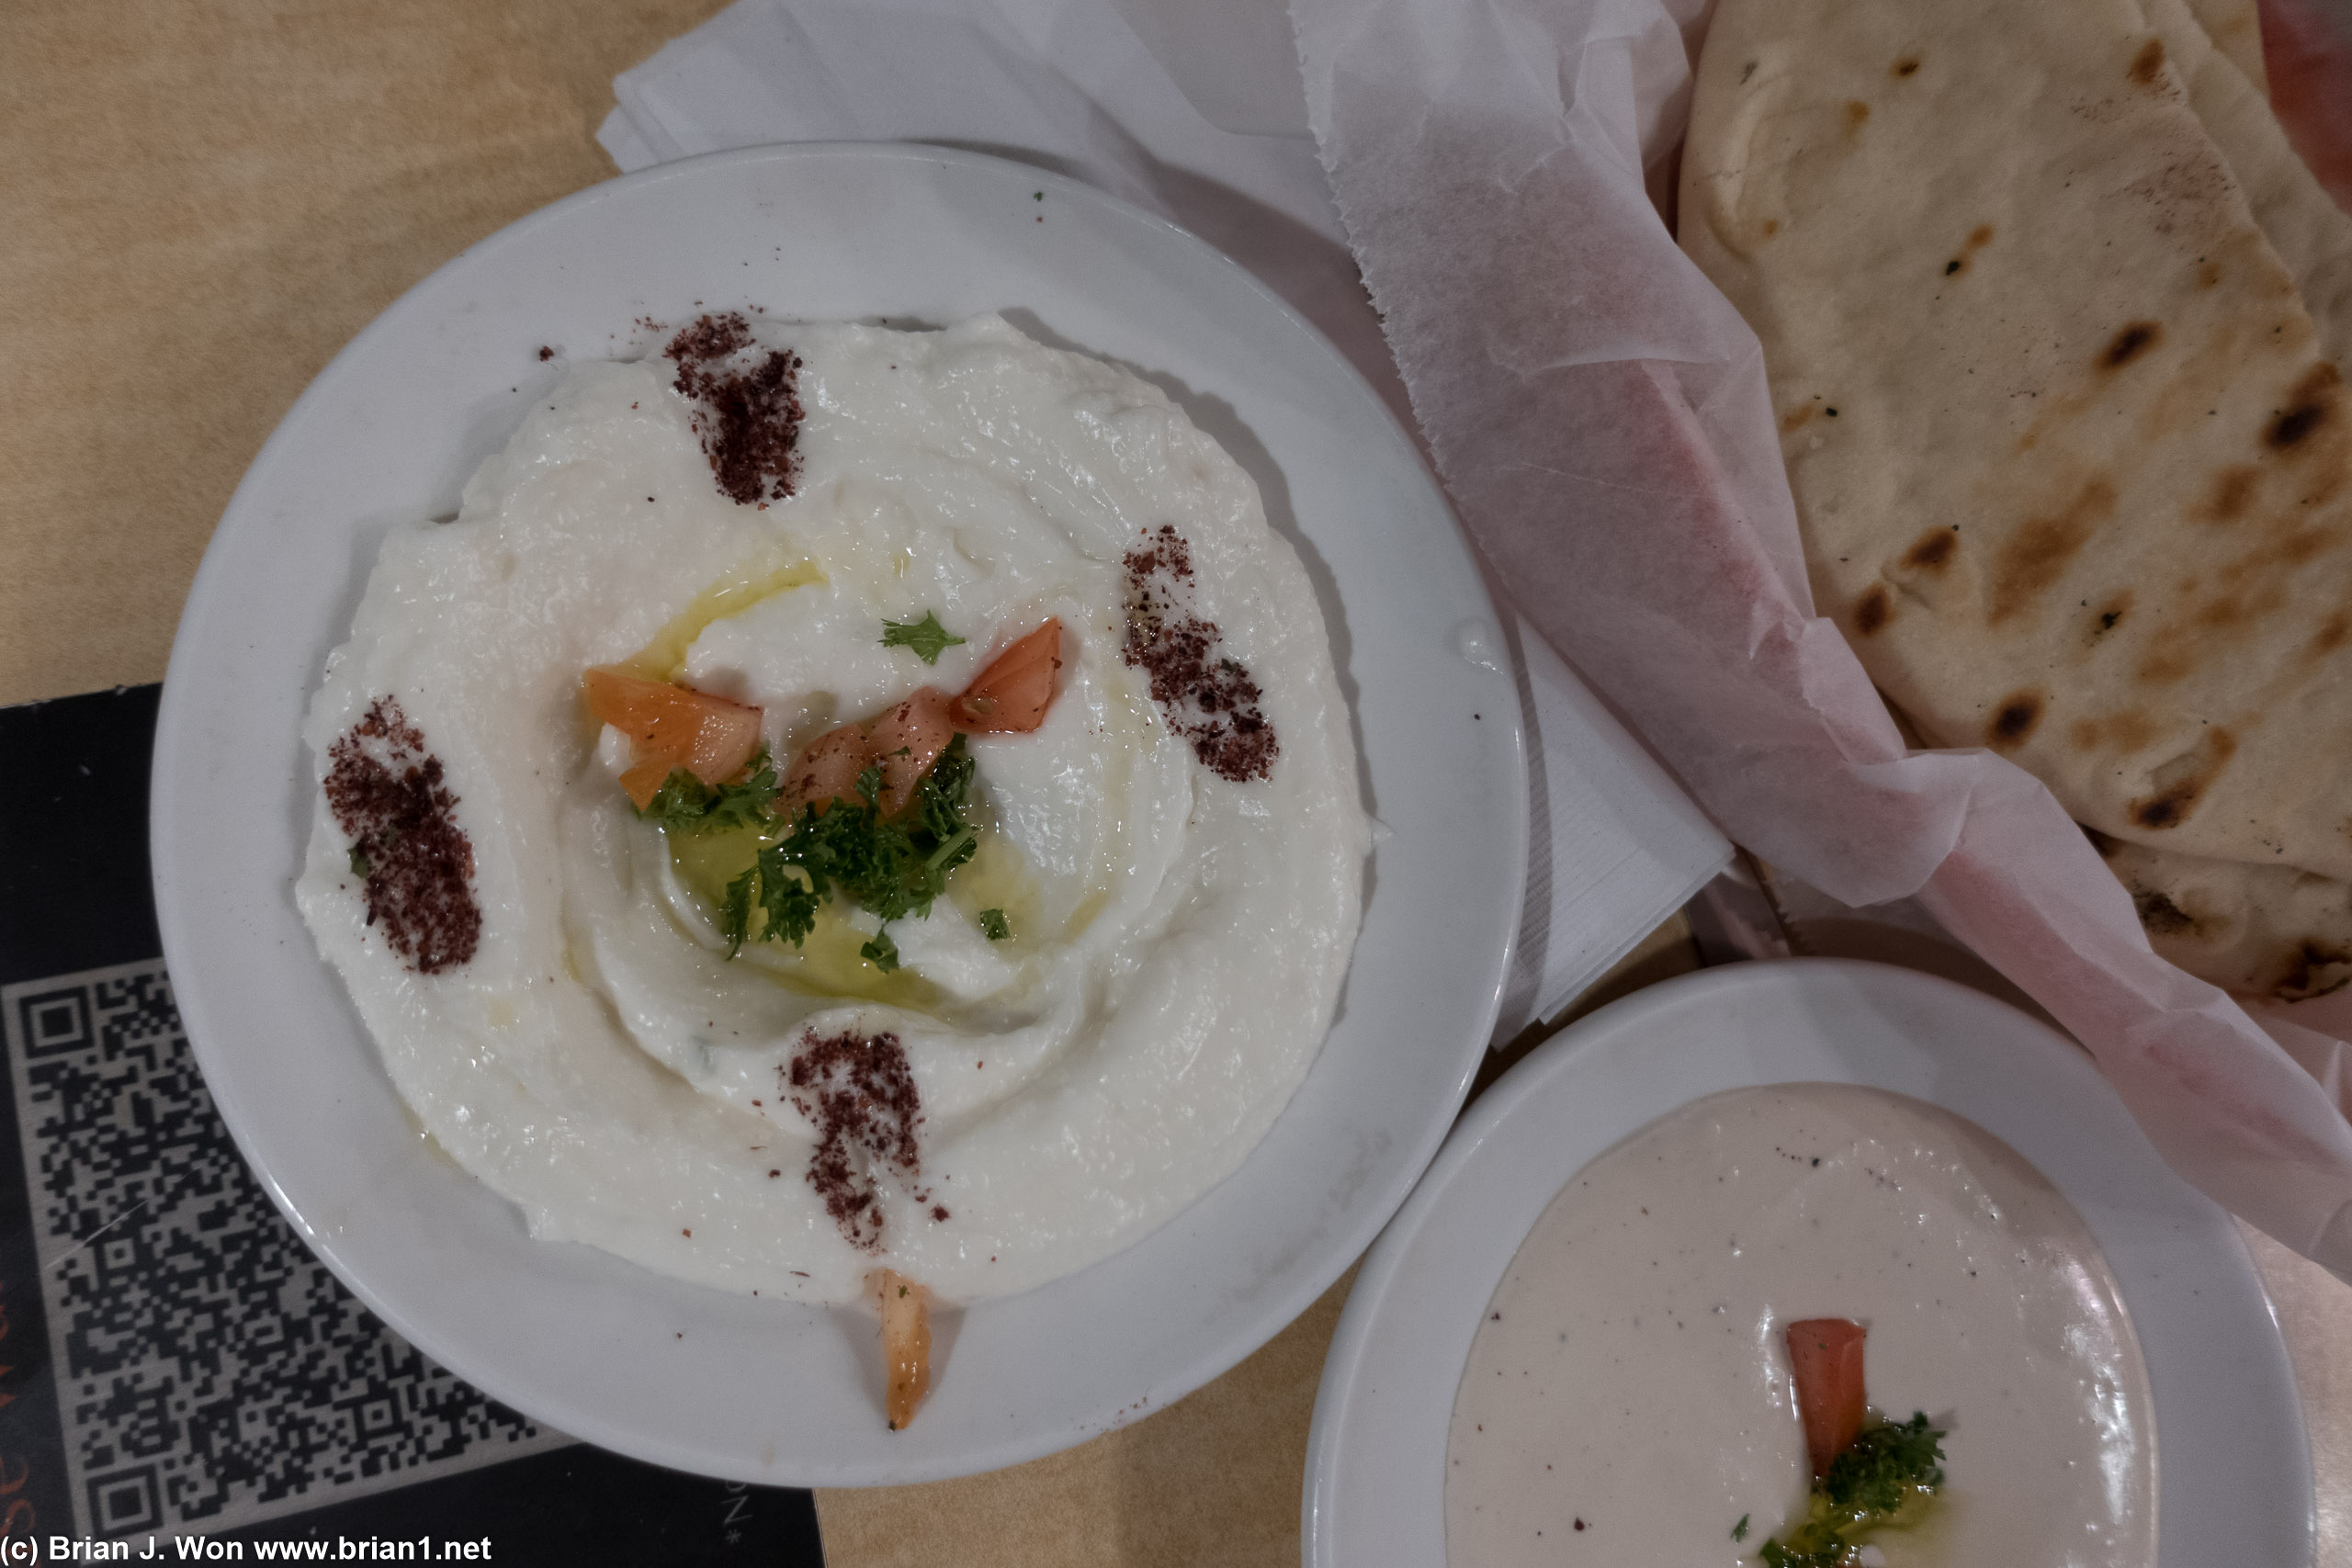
(1627, 1398)
(1178, 936)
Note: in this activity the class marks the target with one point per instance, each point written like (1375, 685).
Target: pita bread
(2269, 930)
(2235, 29)
(2310, 233)
(2071, 462)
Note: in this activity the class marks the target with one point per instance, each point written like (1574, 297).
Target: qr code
(211, 1372)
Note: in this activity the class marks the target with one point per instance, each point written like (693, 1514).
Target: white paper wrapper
(1598, 411)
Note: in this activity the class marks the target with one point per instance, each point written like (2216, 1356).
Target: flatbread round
(2071, 459)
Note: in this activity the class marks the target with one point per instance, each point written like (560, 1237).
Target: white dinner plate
(689, 1377)
(2232, 1463)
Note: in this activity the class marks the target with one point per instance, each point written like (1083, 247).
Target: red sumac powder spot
(859, 1093)
(1208, 699)
(749, 412)
(386, 792)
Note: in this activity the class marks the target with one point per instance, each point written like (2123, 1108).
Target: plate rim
(178, 906)
(1647, 1011)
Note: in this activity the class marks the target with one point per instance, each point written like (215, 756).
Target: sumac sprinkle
(1206, 698)
(859, 1093)
(387, 795)
(747, 410)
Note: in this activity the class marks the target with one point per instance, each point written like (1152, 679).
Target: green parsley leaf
(789, 901)
(743, 803)
(735, 914)
(891, 869)
(993, 925)
(678, 803)
(1739, 1530)
(1887, 1471)
(685, 804)
(1885, 1466)
(869, 783)
(926, 636)
(358, 860)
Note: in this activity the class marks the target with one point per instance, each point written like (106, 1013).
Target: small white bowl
(2233, 1458)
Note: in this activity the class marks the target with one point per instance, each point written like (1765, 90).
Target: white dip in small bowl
(1627, 1398)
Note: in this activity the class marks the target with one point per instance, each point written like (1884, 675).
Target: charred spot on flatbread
(1978, 238)
(1871, 612)
(1933, 550)
(2128, 345)
(2316, 970)
(2159, 916)
(2182, 783)
(2106, 615)
(2232, 494)
(2121, 733)
(2148, 65)
(2329, 637)
(1857, 112)
(2016, 719)
(2310, 406)
(1907, 66)
(2040, 548)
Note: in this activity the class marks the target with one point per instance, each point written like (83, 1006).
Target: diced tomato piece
(1011, 694)
(1825, 1357)
(904, 740)
(907, 739)
(724, 744)
(643, 781)
(672, 727)
(827, 771)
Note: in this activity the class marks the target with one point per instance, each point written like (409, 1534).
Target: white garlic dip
(1627, 1398)
(1177, 938)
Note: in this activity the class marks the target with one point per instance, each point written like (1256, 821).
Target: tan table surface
(200, 202)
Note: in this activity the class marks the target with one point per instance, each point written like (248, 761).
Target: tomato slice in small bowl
(1825, 1361)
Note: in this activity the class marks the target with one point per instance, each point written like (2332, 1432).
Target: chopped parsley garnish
(890, 868)
(358, 860)
(994, 926)
(1739, 1530)
(1890, 1468)
(685, 803)
(926, 636)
